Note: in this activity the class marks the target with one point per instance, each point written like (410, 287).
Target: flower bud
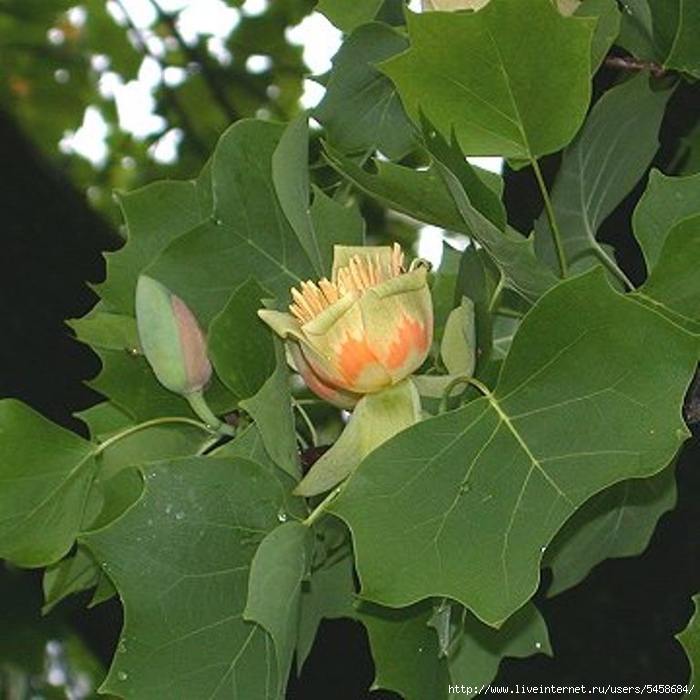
(171, 338)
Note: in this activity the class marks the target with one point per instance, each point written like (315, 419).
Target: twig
(635, 64)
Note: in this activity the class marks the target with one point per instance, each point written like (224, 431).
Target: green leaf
(45, 473)
(290, 175)
(405, 651)
(249, 445)
(275, 586)
(607, 17)
(617, 522)
(155, 215)
(101, 329)
(476, 650)
(690, 639)
(675, 25)
(77, 572)
(248, 234)
(336, 223)
(599, 169)
(486, 487)
(512, 253)
(636, 32)
(271, 409)
(665, 202)
(674, 285)
(479, 281)
(180, 559)
(240, 346)
(360, 110)
(348, 14)
(149, 444)
(127, 380)
(503, 110)
(421, 194)
(330, 592)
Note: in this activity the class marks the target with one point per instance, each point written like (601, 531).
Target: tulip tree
(465, 428)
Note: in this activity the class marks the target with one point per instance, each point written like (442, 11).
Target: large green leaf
(665, 202)
(617, 522)
(45, 476)
(275, 587)
(155, 215)
(180, 559)
(583, 400)
(601, 166)
(518, 70)
(360, 110)
(248, 234)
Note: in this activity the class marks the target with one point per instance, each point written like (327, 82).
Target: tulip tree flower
(356, 339)
(366, 329)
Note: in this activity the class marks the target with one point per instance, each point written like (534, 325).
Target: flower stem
(309, 425)
(165, 420)
(199, 405)
(461, 379)
(554, 227)
(320, 509)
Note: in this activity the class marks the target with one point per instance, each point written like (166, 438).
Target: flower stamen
(361, 273)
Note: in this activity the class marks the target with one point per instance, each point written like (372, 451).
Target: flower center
(361, 273)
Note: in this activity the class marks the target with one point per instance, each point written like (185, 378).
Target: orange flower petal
(411, 340)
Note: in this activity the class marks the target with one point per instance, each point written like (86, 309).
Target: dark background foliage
(617, 627)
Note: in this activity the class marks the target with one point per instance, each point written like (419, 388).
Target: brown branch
(635, 64)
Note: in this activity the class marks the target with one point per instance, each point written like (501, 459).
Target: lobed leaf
(481, 491)
(180, 559)
(248, 234)
(518, 70)
(45, 476)
(361, 110)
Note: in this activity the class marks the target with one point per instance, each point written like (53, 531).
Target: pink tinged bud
(366, 329)
(171, 338)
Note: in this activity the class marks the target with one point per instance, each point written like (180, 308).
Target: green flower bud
(171, 338)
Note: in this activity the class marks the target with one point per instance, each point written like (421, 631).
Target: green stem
(99, 449)
(201, 408)
(554, 227)
(612, 267)
(461, 379)
(320, 509)
(305, 417)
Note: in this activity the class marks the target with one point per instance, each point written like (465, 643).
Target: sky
(135, 103)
